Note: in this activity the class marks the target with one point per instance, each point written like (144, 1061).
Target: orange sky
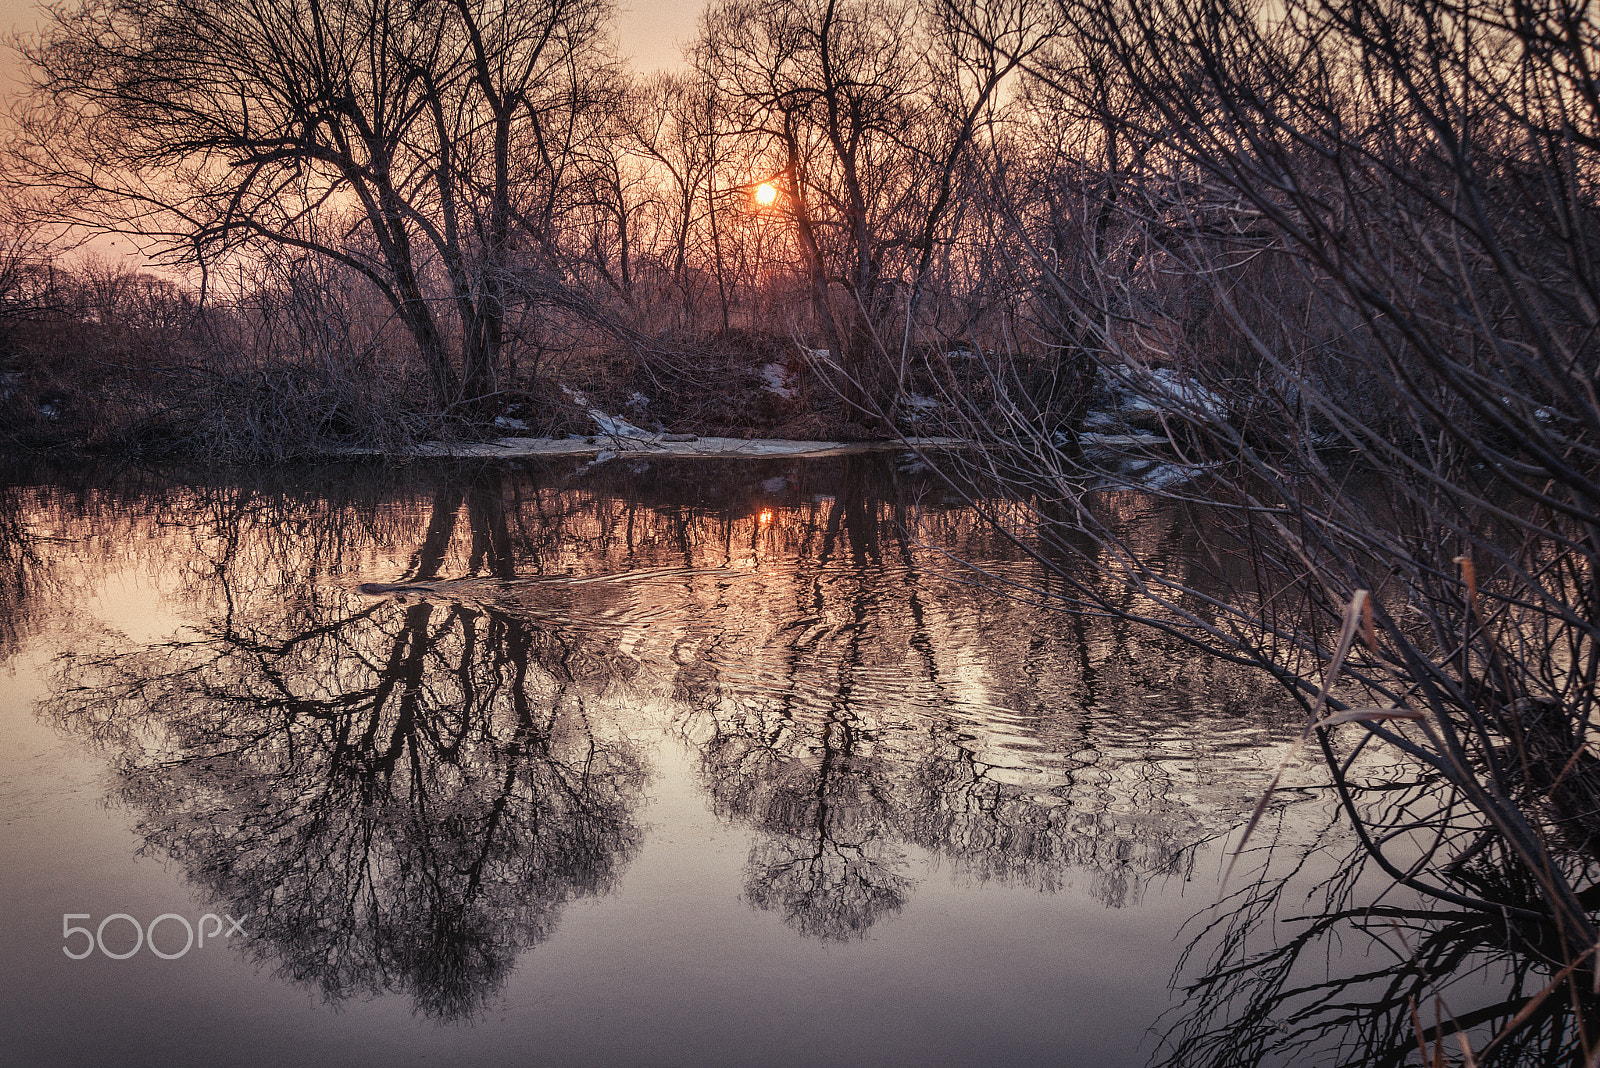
(15, 15)
(650, 31)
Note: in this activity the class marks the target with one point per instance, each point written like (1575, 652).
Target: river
(690, 762)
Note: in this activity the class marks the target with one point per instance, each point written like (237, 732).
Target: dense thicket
(1343, 256)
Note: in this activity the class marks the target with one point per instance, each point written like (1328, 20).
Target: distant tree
(862, 115)
(29, 283)
(671, 122)
(423, 144)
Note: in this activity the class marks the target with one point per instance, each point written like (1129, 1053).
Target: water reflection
(402, 724)
(19, 568)
(827, 858)
(1299, 967)
(400, 801)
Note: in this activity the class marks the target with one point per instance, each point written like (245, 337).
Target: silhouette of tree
(424, 146)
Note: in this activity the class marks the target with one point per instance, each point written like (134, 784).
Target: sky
(15, 16)
(650, 32)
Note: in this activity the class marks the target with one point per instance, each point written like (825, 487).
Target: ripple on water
(800, 645)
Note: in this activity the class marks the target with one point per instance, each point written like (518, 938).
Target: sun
(766, 193)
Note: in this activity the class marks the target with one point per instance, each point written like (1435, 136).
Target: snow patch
(1190, 392)
(779, 380)
(1160, 389)
(1164, 390)
(615, 426)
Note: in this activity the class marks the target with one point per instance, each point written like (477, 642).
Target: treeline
(472, 200)
(477, 199)
(470, 194)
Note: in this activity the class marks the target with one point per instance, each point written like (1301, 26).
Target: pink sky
(650, 31)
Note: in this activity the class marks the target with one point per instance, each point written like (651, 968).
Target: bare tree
(1349, 273)
(29, 285)
(862, 115)
(672, 123)
(421, 145)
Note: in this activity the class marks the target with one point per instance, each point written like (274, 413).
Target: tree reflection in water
(864, 735)
(400, 801)
(402, 791)
(19, 569)
(826, 859)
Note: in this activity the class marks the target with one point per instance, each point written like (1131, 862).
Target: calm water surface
(683, 764)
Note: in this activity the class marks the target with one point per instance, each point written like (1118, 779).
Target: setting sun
(766, 193)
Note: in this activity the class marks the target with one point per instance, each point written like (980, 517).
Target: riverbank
(603, 447)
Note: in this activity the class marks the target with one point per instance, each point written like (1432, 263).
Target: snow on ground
(779, 380)
(648, 444)
(1162, 389)
(615, 426)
